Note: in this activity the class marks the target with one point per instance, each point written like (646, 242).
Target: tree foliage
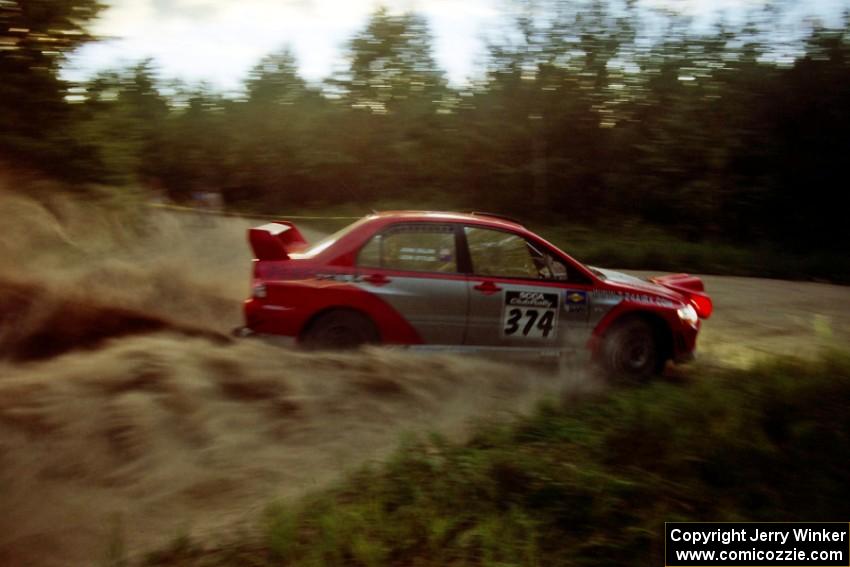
(391, 65)
(35, 35)
(599, 113)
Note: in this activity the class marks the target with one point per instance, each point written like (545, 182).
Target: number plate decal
(530, 315)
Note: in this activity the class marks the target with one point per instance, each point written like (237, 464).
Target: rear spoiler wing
(275, 240)
(692, 288)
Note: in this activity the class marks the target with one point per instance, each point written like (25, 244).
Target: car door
(522, 294)
(413, 266)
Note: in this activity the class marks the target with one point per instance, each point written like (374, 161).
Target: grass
(587, 484)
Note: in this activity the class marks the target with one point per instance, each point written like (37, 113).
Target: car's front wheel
(630, 350)
(340, 329)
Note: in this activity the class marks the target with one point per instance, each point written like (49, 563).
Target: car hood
(635, 284)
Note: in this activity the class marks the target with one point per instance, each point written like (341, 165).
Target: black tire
(340, 330)
(630, 351)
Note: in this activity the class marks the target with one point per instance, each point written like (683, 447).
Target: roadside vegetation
(627, 245)
(646, 248)
(637, 246)
(728, 139)
(581, 481)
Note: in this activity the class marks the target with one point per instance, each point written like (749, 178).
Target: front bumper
(684, 357)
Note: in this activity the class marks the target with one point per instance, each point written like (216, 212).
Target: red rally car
(470, 282)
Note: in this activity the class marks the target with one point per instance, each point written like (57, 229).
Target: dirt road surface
(138, 439)
(757, 318)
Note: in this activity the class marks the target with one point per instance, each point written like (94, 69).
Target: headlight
(687, 314)
(259, 291)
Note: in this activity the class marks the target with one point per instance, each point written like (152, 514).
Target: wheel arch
(305, 328)
(661, 330)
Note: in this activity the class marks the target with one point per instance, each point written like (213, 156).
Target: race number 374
(530, 314)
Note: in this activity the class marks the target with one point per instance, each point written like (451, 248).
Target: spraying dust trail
(37, 324)
(172, 434)
(108, 429)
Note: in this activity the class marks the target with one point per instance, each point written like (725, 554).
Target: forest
(629, 135)
(600, 113)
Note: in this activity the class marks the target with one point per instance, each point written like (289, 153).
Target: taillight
(258, 291)
(702, 305)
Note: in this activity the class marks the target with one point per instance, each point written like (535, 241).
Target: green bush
(648, 248)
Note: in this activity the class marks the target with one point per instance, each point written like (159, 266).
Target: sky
(218, 41)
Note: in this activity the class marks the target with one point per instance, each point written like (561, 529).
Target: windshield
(597, 272)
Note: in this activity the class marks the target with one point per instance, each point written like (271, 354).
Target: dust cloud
(127, 414)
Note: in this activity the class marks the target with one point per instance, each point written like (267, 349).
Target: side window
(498, 253)
(412, 247)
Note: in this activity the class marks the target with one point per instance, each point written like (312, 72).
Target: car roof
(340, 250)
(490, 219)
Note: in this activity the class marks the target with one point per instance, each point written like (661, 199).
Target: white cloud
(220, 40)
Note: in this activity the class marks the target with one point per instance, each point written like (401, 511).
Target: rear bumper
(248, 333)
(263, 318)
(242, 332)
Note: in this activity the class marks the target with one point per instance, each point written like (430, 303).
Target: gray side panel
(483, 325)
(435, 307)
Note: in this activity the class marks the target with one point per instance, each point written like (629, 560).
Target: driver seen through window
(498, 253)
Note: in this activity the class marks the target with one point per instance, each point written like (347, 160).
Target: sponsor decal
(575, 300)
(418, 254)
(530, 315)
(636, 298)
(576, 296)
(339, 277)
(531, 299)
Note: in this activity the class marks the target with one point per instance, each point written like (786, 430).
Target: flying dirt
(125, 408)
(128, 415)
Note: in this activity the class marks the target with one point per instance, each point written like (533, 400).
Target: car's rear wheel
(340, 329)
(630, 350)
